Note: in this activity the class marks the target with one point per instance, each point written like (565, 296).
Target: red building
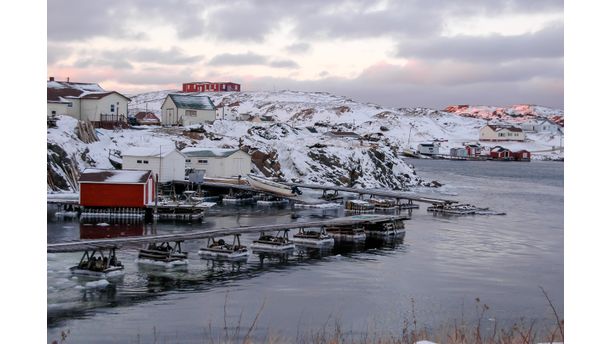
(206, 86)
(500, 153)
(116, 188)
(522, 155)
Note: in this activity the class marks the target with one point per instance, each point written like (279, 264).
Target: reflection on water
(442, 262)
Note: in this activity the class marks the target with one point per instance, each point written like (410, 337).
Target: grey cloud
(283, 64)
(238, 59)
(172, 56)
(87, 62)
(250, 58)
(298, 48)
(57, 52)
(547, 42)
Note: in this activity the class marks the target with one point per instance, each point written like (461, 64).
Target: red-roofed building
(207, 86)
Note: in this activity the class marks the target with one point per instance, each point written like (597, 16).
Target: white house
(217, 162)
(429, 148)
(501, 133)
(167, 162)
(85, 101)
(187, 109)
(541, 126)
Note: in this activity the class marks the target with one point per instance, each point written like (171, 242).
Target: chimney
(51, 78)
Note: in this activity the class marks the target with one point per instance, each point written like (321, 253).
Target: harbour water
(434, 273)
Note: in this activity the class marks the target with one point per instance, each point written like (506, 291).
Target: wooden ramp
(373, 192)
(82, 245)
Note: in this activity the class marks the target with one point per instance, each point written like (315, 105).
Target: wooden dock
(83, 245)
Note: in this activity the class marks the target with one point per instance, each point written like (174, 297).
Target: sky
(404, 53)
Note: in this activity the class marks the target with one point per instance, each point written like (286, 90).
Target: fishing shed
(116, 188)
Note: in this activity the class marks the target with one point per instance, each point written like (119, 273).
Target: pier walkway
(83, 245)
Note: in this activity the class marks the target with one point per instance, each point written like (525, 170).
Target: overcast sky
(403, 53)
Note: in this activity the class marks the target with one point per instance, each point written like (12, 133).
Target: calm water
(438, 269)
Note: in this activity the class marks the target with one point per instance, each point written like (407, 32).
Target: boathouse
(459, 152)
(217, 162)
(165, 161)
(522, 155)
(116, 188)
(501, 153)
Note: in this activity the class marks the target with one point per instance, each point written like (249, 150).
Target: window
(53, 112)
(187, 160)
(139, 161)
(69, 104)
(203, 161)
(145, 161)
(191, 113)
(112, 108)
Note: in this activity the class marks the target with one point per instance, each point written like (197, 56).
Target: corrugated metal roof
(93, 175)
(192, 101)
(208, 152)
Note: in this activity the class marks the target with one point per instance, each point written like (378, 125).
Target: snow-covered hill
(298, 143)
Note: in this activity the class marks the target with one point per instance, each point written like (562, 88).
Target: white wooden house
(86, 102)
(167, 162)
(492, 132)
(217, 162)
(187, 109)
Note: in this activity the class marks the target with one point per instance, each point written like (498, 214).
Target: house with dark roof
(86, 102)
(492, 132)
(187, 109)
(217, 162)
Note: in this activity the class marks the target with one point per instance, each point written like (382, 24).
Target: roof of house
(426, 144)
(499, 149)
(56, 90)
(498, 127)
(152, 152)
(192, 101)
(93, 175)
(209, 152)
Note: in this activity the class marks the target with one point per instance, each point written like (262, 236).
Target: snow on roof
(94, 175)
(498, 127)
(148, 151)
(209, 152)
(60, 89)
(192, 101)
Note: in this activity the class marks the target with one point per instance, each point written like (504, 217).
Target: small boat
(273, 243)
(221, 249)
(312, 238)
(273, 187)
(97, 265)
(163, 254)
(385, 229)
(347, 232)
